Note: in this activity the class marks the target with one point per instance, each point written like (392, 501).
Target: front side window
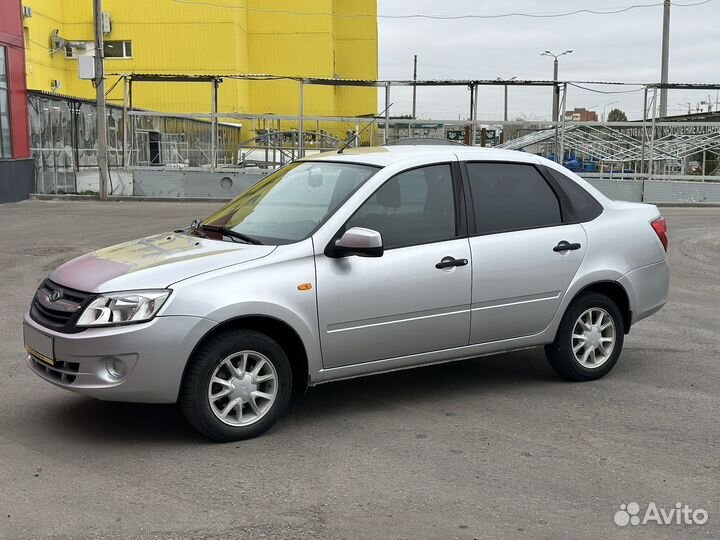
(414, 207)
(510, 197)
(5, 143)
(290, 204)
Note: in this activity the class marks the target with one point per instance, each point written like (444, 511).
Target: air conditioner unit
(106, 23)
(56, 42)
(27, 12)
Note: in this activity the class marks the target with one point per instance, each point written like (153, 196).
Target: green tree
(616, 115)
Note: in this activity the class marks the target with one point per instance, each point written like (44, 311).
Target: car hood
(152, 262)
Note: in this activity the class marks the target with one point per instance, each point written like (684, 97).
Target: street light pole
(556, 87)
(556, 91)
(605, 107)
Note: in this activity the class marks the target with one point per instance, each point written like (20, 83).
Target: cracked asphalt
(496, 447)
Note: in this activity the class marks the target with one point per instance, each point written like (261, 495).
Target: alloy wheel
(593, 338)
(243, 388)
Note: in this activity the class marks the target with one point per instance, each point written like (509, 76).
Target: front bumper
(154, 355)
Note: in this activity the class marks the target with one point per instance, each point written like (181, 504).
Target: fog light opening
(116, 368)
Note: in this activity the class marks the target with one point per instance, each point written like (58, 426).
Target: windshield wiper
(232, 234)
(193, 228)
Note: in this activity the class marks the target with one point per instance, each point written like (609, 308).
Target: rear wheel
(237, 385)
(589, 340)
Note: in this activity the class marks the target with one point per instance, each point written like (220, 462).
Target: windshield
(290, 204)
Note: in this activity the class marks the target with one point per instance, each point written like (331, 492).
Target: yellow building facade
(297, 38)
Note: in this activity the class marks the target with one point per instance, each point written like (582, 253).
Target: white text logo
(680, 514)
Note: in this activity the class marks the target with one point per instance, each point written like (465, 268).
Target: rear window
(582, 206)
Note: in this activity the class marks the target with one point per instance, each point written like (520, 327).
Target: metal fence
(63, 141)
(64, 138)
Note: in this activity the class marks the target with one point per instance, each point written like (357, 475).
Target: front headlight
(123, 307)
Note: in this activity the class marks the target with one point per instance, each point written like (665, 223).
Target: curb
(124, 198)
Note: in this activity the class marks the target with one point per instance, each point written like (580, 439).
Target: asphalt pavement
(496, 447)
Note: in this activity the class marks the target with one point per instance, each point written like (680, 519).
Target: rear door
(524, 255)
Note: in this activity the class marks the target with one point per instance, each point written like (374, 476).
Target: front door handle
(564, 245)
(448, 262)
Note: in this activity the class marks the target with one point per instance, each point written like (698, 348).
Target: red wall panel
(11, 17)
(11, 36)
(18, 103)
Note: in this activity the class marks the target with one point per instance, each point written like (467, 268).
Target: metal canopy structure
(380, 83)
(613, 145)
(472, 84)
(653, 143)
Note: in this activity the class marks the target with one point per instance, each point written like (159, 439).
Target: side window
(414, 207)
(583, 206)
(510, 196)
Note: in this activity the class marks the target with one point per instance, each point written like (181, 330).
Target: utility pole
(665, 57)
(102, 154)
(505, 113)
(414, 84)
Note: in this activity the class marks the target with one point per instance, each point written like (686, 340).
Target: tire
(593, 364)
(246, 367)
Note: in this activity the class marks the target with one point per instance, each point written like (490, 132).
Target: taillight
(659, 225)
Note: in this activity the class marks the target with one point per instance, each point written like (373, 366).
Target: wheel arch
(286, 336)
(616, 292)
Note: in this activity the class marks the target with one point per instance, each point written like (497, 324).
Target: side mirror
(357, 241)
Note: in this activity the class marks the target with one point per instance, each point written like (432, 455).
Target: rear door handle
(448, 262)
(564, 245)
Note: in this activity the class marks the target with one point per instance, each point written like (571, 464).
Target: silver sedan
(349, 264)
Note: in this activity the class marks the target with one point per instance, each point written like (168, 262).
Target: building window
(111, 49)
(5, 143)
(117, 49)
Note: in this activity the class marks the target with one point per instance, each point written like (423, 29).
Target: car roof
(386, 155)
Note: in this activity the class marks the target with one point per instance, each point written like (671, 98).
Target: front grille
(58, 307)
(64, 372)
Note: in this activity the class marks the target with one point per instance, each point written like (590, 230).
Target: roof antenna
(352, 139)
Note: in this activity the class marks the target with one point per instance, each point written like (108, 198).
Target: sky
(621, 47)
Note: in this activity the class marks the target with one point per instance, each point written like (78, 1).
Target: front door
(375, 308)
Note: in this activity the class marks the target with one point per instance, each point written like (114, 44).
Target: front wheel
(589, 340)
(237, 385)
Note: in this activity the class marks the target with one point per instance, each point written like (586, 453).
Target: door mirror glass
(358, 241)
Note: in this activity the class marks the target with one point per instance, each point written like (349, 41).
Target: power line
(538, 15)
(44, 46)
(606, 91)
